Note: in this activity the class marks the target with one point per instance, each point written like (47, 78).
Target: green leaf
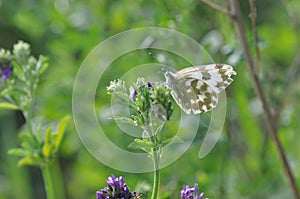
(142, 144)
(6, 105)
(26, 161)
(18, 71)
(18, 152)
(9, 95)
(27, 147)
(47, 148)
(38, 133)
(61, 131)
(42, 64)
(48, 135)
(30, 161)
(124, 119)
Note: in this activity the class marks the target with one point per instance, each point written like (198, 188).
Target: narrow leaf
(18, 71)
(61, 131)
(47, 150)
(48, 135)
(124, 119)
(30, 161)
(26, 161)
(6, 105)
(18, 152)
(142, 144)
(42, 64)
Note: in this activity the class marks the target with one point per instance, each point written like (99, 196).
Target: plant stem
(254, 31)
(236, 16)
(58, 181)
(215, 7)
(156, 161)
(48, 182)
(17, 178)
(156, 179)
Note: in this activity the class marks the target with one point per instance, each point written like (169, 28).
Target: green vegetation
(246, 161)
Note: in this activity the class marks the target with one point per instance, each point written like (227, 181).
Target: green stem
(48, 182)
(156, 162)
(58, 180)
(156, 180)
(17, 178)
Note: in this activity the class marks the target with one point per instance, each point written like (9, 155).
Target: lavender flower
(191, 192)
(5, 72)
(116, 189)
(135, 94)
(149, 85)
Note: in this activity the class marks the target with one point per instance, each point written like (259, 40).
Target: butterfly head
(170, 79)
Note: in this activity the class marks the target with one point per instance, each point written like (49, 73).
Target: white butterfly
(195, 89)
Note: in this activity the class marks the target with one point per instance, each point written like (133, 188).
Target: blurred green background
(243, 164)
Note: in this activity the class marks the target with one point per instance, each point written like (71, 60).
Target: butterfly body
(195, 89)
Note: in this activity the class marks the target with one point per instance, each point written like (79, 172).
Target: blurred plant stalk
(235, 15)
(20, 74)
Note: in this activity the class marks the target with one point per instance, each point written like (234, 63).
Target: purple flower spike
(191, 192)
(5, 74)
(135, 94)
(150, 85)
(116, 189)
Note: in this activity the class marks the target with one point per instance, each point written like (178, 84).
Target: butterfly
(195, 89)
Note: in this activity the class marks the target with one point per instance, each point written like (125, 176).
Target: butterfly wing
(195, 89)
(218, 76)
(193, 95)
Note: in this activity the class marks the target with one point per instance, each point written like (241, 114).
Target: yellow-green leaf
(47, 150)
(32, 161)
(8, 106)
(18, 152)
(61, 131)
(26, 161)
(48, 135)
(142, 144)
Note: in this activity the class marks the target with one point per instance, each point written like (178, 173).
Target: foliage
(40, 148)
(20, 73)
(244, 163)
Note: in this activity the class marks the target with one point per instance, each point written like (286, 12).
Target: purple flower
(116, 189)
(150, 85)
(135, 94)
(191, 192)
(5, 73)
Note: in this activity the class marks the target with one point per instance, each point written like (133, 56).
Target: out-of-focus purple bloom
(150, 85)
(191, 192)
(116, 189)
(135, 94)
(5, 72)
